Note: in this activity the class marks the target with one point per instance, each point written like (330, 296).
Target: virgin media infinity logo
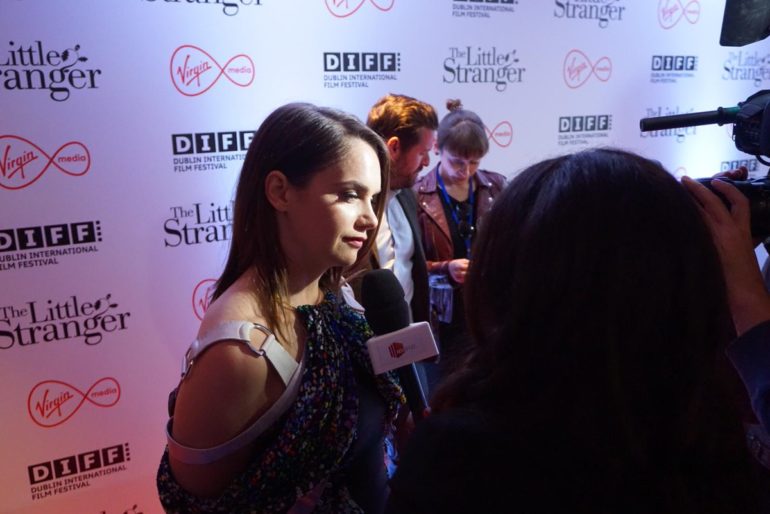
(502, 134)
(671, 12)
(52, 402)
(345, 8)
(202, 296)
(22, 162)
(194, 71)
(578, 68)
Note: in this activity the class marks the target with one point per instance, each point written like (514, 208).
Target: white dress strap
(288, 369)
(283, 363)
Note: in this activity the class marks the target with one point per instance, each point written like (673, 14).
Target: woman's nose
(368, 218)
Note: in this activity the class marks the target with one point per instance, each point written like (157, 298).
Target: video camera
(744, 22)
(751, 133)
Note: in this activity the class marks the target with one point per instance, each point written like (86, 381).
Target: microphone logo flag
(402, 347)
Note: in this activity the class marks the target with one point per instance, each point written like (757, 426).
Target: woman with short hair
(453, 198)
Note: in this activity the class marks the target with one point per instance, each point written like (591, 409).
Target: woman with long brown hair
(278, 407)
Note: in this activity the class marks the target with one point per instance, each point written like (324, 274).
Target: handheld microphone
(397, 343)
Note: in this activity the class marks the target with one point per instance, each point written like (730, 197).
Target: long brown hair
(298, 139)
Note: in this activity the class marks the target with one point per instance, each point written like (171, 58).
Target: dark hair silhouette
(597, 309)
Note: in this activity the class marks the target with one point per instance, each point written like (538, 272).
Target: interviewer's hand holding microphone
(397, 344)
(730, 229)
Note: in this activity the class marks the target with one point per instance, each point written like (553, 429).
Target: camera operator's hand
(749, 300)
(458, 268)
(738, 174)
(741, 173)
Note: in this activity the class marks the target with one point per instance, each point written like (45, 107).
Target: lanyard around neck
(453, 211)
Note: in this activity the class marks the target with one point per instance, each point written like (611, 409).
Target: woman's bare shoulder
(237, 303)
(227, 385)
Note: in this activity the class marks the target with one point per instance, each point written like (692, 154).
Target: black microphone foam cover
(383, 300)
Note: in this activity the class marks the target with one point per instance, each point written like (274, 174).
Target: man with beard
(408, 127)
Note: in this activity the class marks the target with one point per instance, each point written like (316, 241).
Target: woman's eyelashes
(349, 195)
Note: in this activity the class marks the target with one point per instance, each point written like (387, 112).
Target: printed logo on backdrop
(52, 402)
(44, 245)
(198, 224)
(22, 162)
(584, 130)
(207, 151)
(729, 128)
(194, 71)
(359, 69)
(76, 472)
(669, 69)
(229, 7)
(578, 69)
(201, 297)
(482, 8)
(501, 134)
(59, 71)
(679, 134)
(601, 11)
(671, 12)
(752, 165)
(745, 65)
(485, 66)
(345, 8)
(53, 321)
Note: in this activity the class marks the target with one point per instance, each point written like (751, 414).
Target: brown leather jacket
(436, 238)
